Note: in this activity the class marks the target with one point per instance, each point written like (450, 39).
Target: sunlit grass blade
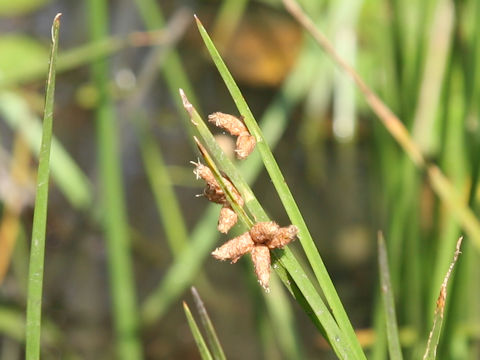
(282, 321)
(440, 183)
(197, 335)
(165, 198)
(434, 337)
(388, 302)
(67, 175)
(37, 249)
(183, 270)
(115, 222)
(285, 196)
(212, 337)
(284, 261)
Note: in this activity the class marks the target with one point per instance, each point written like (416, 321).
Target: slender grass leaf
(70, 179)
(123, 294)
(37, 250)
(197, 335)
(388, 302)
(434, 337)
(212, 337)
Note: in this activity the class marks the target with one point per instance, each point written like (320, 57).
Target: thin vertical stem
(125, 317)
(37, 251)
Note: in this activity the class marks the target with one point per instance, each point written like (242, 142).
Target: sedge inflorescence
(214, 193)
(263, 236)
(236, 127)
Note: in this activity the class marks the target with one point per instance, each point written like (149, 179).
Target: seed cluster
(236, 127)
(261, 238)
(214, 193)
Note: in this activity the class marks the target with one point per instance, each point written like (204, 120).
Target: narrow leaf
(197, 335)
(212, 337)
(388, 301)
(434, 337)
(37, 251)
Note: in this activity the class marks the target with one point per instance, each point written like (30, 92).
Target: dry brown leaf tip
(262, 237)
(236, 127)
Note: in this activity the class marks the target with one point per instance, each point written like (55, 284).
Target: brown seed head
(261, 261)
(228, 122)
(235, 248)
(245, 145)
(263, 232)
(227, 219)
(283, 237)
(204, 172)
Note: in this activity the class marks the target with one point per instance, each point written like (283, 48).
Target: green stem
(37, 251)
(115, 218)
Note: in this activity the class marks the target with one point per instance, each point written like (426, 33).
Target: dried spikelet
(263, 232)
(227, 219)
(204, 172)
(228, 122)
(245, 145)
(235, 248)
(283, 237)
(214, 194)
(261, 260)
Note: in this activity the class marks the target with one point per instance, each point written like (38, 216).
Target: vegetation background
(122, 208)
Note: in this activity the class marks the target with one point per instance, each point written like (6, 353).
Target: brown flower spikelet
(204, 172)
(235, 248)
(283, 237)
(263, 232)
(261, 260)
(227, 219)
(228, 122)
(213, 192)
(245, 145)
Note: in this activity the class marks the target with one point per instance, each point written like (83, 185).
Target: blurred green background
(344, 169)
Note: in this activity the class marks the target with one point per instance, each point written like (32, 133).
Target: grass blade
(285, 196)
(212, 337)
(434, 337)
(66, 174)
(440, 183)
(115, 224)
(37, 251)
(197, 335)
(388, 302)
(163, 192)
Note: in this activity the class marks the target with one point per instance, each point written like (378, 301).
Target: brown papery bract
(235, 248)
(261, 261)
(228, 122)
(245, 145)
(227, 219)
